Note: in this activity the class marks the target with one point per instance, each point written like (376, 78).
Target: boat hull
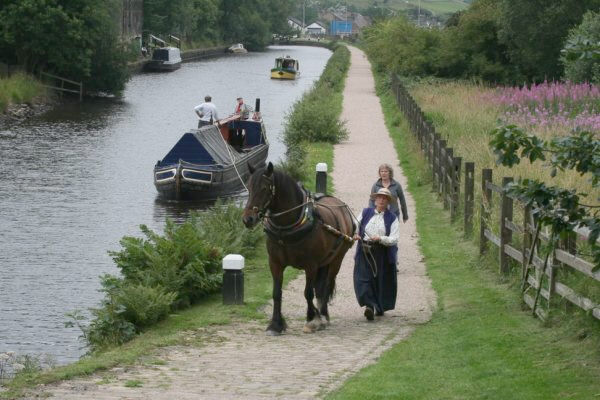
(161, 67)
(283, 74)
(187, 181)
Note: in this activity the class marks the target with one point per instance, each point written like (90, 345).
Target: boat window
(161, 54)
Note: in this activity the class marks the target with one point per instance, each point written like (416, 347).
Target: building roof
(316, 25)
(360, 20)
(295, 21)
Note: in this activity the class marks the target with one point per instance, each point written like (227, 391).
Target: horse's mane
(282, 180)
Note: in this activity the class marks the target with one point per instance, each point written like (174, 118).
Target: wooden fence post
(447, 177)
(506, 213)
(527, 239)
(455, 201)
(433, 162)
(486, 205)
(469, 196)
(568, 244)
(440, 165)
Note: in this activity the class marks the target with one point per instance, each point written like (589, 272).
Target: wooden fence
(540, 277)
(61, 84)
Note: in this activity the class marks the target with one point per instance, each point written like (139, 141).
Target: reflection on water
(77, 179)
(179, 211)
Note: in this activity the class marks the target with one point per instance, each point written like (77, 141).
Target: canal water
(76, 179)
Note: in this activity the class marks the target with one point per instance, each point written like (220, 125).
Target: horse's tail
(324, 284)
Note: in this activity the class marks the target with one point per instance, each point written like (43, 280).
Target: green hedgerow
(161, 273)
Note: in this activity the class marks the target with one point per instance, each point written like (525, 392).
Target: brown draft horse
(296, 236)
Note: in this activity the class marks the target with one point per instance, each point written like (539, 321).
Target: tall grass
(19, 88)
(465, 113)
(315, 117)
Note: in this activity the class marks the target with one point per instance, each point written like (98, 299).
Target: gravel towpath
(239, 360)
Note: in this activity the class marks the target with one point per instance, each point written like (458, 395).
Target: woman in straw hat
(386, 180)
(375, 282)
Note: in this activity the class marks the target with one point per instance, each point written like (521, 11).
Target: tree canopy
(500, 41)
(213, 21)
(74, 39)
(80, 40)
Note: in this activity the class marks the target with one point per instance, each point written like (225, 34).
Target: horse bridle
(261, 212)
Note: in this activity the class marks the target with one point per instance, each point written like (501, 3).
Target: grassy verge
(480, 344)
(19, 88)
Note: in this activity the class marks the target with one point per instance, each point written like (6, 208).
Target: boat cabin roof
(206, 146)
(286, 58)
(166, 53)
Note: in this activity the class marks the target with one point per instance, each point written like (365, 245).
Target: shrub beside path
(240, 360)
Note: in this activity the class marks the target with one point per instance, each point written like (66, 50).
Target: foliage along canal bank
(148, 306)
(21, 96)
(480, 343)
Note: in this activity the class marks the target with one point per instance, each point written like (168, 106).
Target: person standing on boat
(207, 112)
(242, 109)
(375, 281)
(386, 180)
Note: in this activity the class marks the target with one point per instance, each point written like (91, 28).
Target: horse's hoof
(308, 328)
(323, 325)
(273, 333)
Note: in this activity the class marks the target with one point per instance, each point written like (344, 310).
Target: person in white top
(207, 112)
(375, 280)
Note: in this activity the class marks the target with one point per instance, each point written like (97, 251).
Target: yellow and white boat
(285, 68)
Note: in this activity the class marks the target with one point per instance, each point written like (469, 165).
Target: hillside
(436, 7)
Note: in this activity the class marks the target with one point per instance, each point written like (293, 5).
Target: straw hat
(382, 192)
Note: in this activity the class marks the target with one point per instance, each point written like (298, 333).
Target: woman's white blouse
(376, 227)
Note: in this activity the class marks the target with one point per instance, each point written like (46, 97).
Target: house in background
(295, 24)
(316, 29)
(342, 22)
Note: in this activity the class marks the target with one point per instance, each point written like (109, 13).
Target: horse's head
(261, 190)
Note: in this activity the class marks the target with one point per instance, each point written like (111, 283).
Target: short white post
(321, 179)
(233, 279)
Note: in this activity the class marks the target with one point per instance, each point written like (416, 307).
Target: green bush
(222, 228)
(315, 117)
(180, 261)
(293, 164)
(582, 68)
(161, 273)
(145, 306)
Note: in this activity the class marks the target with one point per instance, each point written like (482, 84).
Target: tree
(253, 21)
(74, 39)
(534, 32)
(472, 49)
(581, 55)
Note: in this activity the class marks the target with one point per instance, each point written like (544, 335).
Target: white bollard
(233, 279)
(321, 180)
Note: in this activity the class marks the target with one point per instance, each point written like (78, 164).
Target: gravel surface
(240, 361)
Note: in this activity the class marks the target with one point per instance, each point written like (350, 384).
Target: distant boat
(164, 59)
(212, 161)
(237, 48)
(285, 68)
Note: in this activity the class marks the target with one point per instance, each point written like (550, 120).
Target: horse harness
(304, 226)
